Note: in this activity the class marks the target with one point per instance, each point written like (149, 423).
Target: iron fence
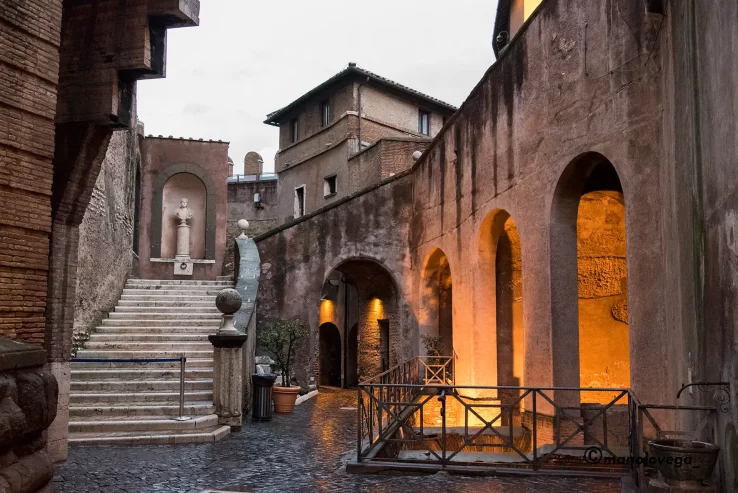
(415, 413)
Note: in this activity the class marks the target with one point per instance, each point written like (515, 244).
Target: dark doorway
(330, 355)
(352, 351)
(384, 345)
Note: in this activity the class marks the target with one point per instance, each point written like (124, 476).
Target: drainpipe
(359, 112)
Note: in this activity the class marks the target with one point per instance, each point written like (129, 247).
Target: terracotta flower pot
(284, 398)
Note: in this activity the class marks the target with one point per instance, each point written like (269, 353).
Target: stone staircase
(135, 403)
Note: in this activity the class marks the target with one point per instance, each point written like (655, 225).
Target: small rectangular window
(329, 186)
(293, 130)
(325, 113)
(424, 122)
(299, 201)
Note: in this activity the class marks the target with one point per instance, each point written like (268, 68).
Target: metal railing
(442, 422)
(415, 413)
(182, 363)
(249, 178)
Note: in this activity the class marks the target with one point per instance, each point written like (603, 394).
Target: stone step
(139, 336)
(167, 297)
(162, 315)
(146, 409)
(174, 303)
(179, 346)
(206, 435)
(106, 398)
(205, 363)
(122, 386)
(170, 292)
(177, 282)
(209, 310)
(224, 278)
(155, 330)
(142, 423)
(164, 353)
(168, 320)
(133, 374)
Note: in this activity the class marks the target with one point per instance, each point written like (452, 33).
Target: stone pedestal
(183, 242)
(228, 362)
(228, 378)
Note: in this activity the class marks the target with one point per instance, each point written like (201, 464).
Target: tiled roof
(353, 70)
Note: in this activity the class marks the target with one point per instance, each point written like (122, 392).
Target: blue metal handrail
(182, 360)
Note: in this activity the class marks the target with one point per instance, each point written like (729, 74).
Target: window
(293, 130)
(325, 113)
(300, 201)
(329, 186)
(424, 122)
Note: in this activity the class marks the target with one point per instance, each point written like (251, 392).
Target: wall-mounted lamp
(257, 201)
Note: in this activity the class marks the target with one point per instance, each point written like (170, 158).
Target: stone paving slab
(304, 451)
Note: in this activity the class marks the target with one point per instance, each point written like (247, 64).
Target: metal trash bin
(261, 409)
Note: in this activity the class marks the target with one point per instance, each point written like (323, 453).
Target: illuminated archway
(436, 317)
(589, 279)
(360, 298)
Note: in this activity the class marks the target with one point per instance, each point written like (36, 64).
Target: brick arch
(156, 206)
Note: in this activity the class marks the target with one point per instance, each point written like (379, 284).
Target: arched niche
(157, 206)
(178, 187)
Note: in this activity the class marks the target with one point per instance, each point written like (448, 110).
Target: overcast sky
(251, 57)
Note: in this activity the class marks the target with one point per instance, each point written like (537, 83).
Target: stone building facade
(611, 142)
(320, 133)
(174, 169)
(61, 104)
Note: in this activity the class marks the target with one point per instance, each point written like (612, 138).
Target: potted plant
(281, 339)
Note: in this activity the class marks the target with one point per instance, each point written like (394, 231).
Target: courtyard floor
(304, 451)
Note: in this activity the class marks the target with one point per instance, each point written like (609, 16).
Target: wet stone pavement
(304, 451)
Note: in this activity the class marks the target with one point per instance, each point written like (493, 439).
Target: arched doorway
(589, 279)
(509, 306)
(360, 299)
(436, 317)
(329, 353)
(500, 351)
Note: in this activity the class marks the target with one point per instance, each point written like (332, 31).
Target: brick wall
(162, 157)
(241, 206)
(383, 159)
(29, 68)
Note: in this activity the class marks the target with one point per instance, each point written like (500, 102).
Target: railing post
(359, 408)
(535, 432)
(182, 363)
(443, 424)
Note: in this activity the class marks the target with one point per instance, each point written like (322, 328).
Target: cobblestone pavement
(303, 451)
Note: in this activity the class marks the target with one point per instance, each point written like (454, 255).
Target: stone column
(183, 242)
(228, 362)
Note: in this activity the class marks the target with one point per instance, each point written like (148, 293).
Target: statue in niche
(183, 213)
(183, 231)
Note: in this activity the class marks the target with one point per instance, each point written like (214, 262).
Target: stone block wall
(28, 405)
(106, 256)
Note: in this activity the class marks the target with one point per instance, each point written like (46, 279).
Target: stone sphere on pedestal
(228, 301)
(243, 225)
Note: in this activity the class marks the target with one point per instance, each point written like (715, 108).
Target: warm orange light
(327, 311)
(377, 307)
